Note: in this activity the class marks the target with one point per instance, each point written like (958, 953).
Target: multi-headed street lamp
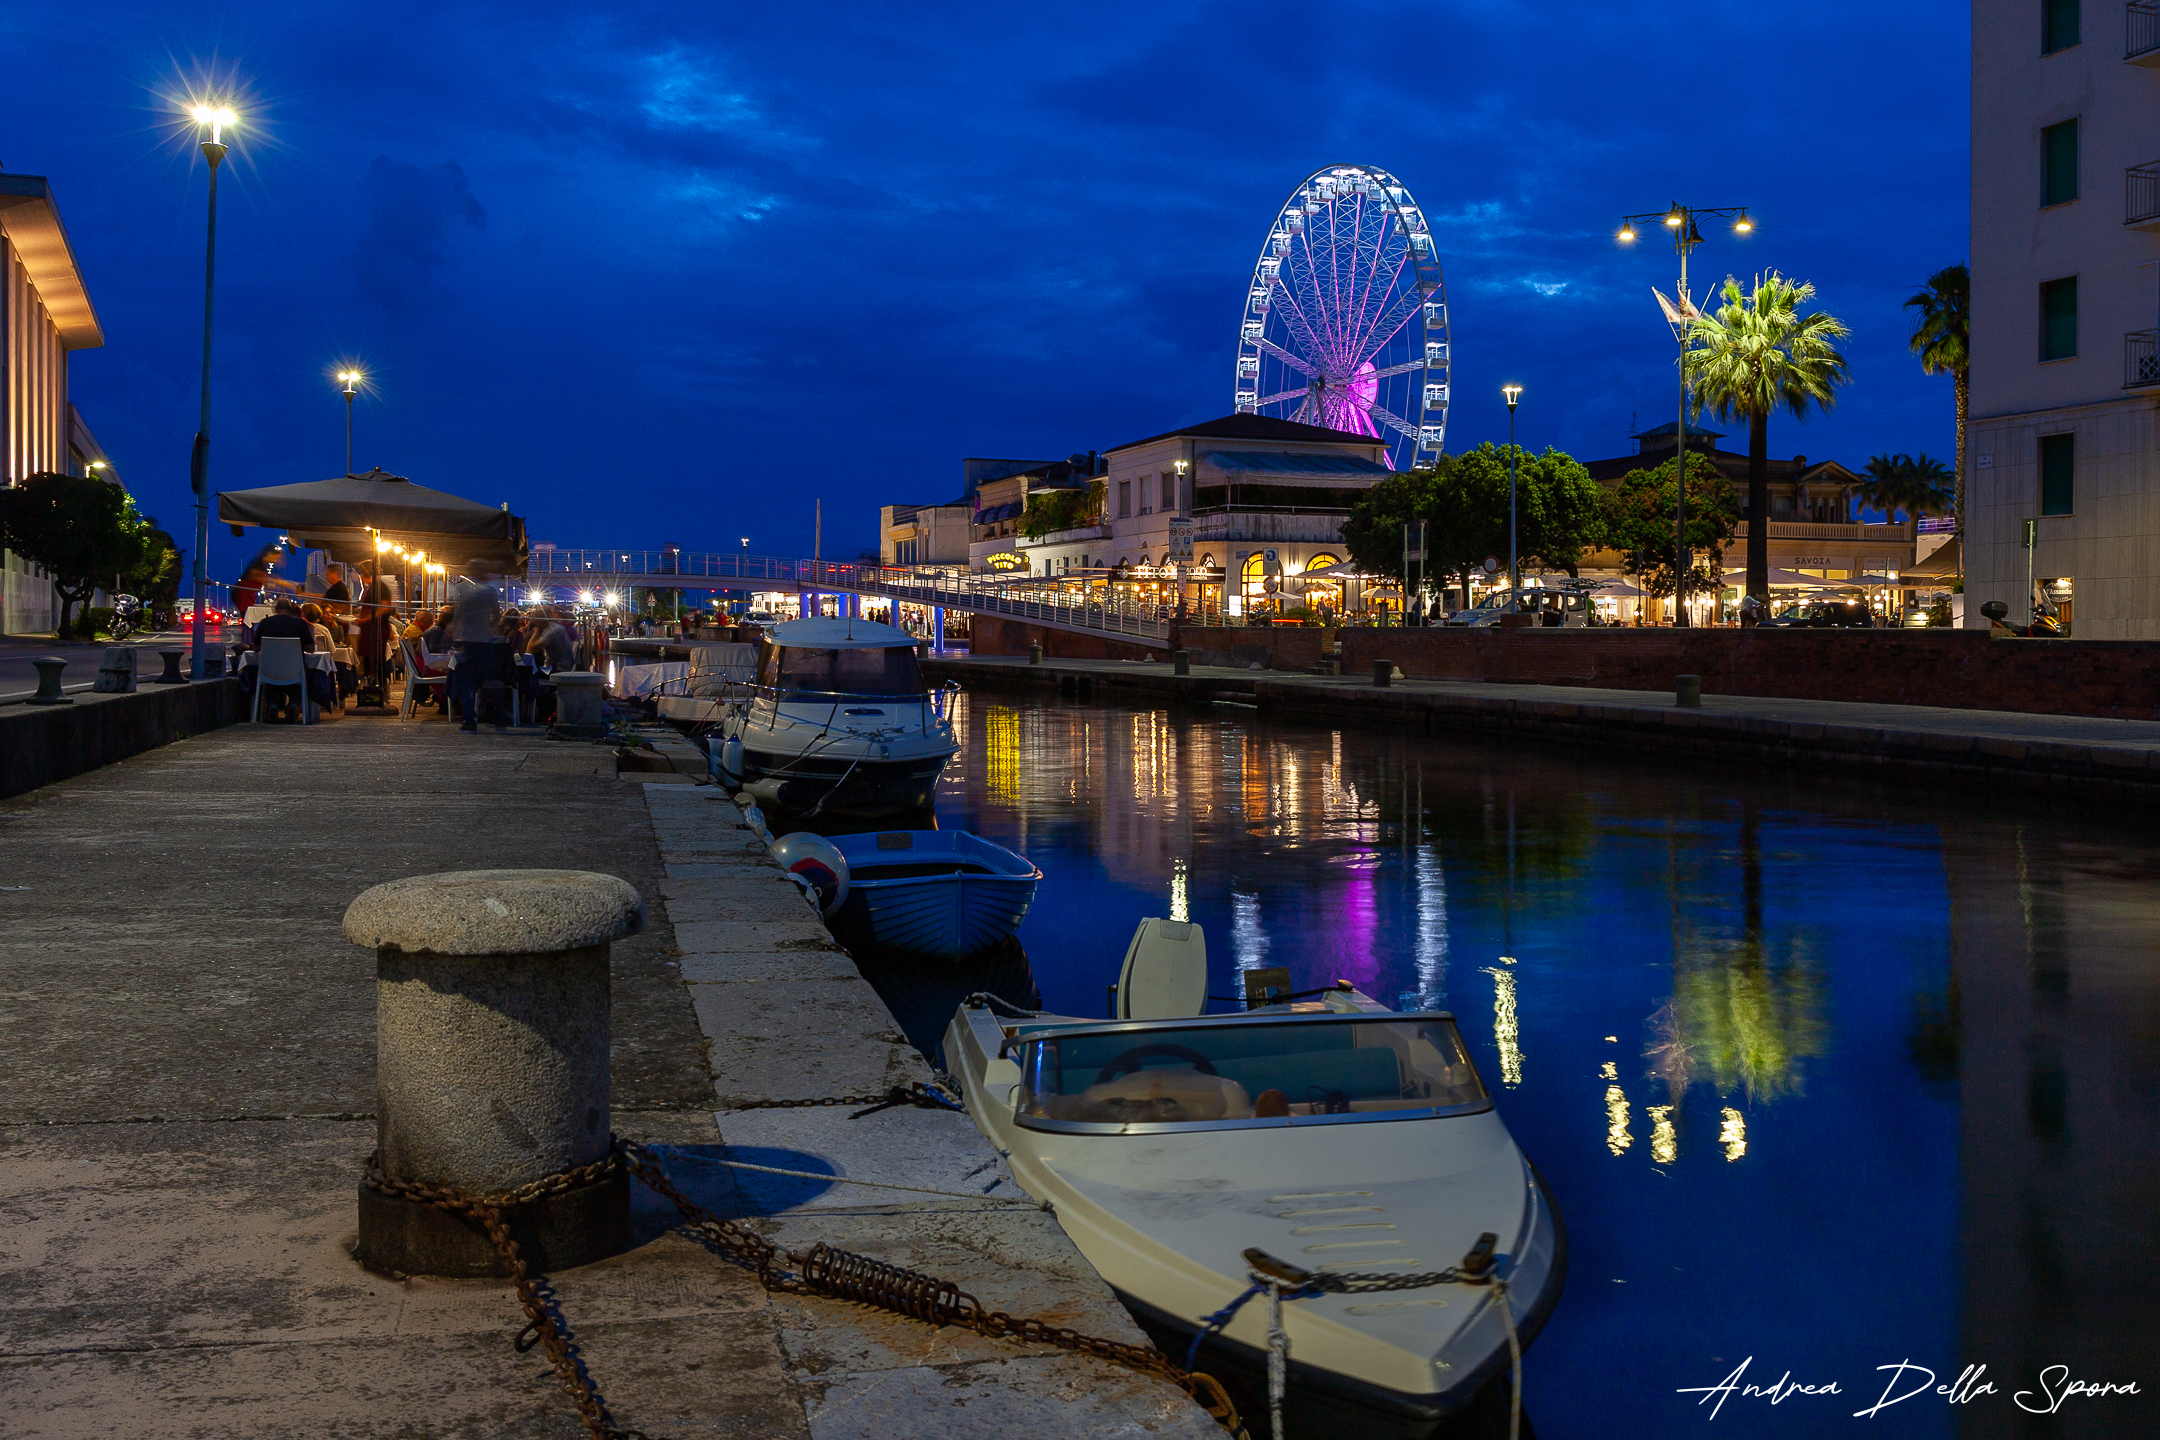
(351, 381)
(1682, 314)
(1512, 393)
(213, 118)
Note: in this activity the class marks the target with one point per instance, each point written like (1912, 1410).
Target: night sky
(666, 273)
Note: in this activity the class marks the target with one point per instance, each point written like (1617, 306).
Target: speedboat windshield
(887, 671)
(1276, 1071)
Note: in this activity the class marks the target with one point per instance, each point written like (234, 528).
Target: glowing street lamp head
(1743, 225)
(217, 117)
(584, 597)
(613, 599)
(1513, 394)
(1627, 233)
(351, 380)
(1675, 218)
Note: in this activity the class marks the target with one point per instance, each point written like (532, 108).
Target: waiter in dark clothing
(376, 610)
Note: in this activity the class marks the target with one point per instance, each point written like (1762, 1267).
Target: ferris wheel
(1346, 319)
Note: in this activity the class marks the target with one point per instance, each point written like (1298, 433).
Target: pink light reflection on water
(1350, 919)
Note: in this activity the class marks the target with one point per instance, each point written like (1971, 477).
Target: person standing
(475, 610)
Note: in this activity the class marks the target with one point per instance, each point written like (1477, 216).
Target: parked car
(1824, 615)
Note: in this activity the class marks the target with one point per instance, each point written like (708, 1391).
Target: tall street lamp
(350, 380)
(213, 118)
(1512, 393)
(1680, 220)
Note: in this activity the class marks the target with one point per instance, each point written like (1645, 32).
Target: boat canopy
(819, 632)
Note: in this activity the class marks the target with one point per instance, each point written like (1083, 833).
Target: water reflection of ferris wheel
(1345, 321)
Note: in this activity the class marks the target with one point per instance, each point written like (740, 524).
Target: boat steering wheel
(1132, 1061)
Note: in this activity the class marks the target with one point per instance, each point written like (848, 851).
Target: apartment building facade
(2063, 483)
(45, 316)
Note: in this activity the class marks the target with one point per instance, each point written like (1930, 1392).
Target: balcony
(2141, 359)
(2141, 199)
(1266, 526)
(2141, 36)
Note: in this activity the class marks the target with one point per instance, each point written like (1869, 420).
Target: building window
(2058, 318)
(1124, 499)
(1169, 492)
(2058, 25)
(2058, 467)
(2059, 163)
(1146, 486)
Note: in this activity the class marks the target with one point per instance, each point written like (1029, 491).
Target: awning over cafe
(345, 515)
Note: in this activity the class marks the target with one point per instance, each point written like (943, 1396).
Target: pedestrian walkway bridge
(1073, 606)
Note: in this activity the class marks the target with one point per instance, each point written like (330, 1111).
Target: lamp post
(1680, 219)
(1512, 393)
(350, 379)
(214, 118)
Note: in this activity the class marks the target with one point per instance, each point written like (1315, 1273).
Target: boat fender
(731, 760)
(817, 865)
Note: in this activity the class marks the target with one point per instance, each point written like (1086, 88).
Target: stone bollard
(172, 675)
(1035, 652)
(1181, 662)
(48, 682)
(213, 663)
(492, 1014)
(116, 672)
(1687, 690)
(1383, 673)
(577, 702)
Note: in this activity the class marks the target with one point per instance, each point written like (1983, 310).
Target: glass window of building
(2058, 318)
(2058, 25)
(1124, 499)
(2059, 163)
(2058, 474)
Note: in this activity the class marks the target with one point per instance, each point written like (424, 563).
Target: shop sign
(1006, 560)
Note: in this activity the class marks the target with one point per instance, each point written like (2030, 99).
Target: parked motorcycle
(127, 614)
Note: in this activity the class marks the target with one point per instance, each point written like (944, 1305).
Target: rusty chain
(919, 1095)
(821, 1270)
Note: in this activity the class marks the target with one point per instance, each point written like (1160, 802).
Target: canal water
(1824, 1079)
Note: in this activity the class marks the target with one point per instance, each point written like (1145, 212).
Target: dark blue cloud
(737, 258)
(414, 212)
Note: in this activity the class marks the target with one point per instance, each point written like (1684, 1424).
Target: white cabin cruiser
(1335, 1135)
(838, 722)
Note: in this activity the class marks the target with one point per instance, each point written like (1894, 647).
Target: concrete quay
(2072, 756)
(187, 1096)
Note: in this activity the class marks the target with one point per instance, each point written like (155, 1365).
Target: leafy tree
(1463, 500)
(1638, 522)
(1758, 354)
(1063, 510)
(155, 579)
(84, 532)
(1917, 485)
(1941, 338)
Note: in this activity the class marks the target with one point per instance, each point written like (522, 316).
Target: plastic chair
(281, 662)
(415, 677)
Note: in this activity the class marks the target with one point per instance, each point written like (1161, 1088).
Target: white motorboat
(1340, 1138)
(838, 722)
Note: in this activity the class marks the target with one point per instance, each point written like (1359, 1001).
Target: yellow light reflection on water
(1608, 1071)
(1178, 908)
(1504, 1028)
(1001, 751)
(1732, 1134)
(1664, 1143)
(1617, 1138)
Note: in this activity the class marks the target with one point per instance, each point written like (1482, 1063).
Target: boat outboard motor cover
(1165, 974)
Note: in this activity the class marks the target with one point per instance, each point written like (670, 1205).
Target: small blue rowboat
(942, 893)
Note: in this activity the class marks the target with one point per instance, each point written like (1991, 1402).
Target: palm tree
(1756, 354)
(1918, 485)
(1940, 339)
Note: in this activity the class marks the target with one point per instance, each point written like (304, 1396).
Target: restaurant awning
(344, 516)
(1942, 564)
